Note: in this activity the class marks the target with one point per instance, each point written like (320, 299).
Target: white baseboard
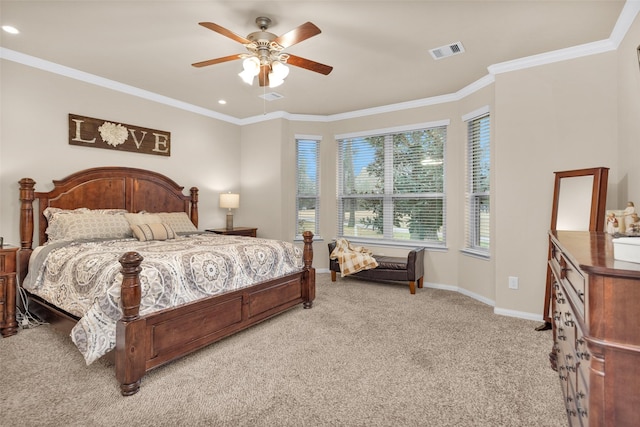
(477, 297)
(496, 310)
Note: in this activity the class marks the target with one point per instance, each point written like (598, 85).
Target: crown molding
(625, 20)
(62, 70)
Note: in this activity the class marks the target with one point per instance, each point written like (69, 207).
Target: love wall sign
(98, 133)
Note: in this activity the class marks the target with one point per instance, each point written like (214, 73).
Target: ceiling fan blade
(218, 60)
(309, 64)
(263, 77)
(301, 33)
(221, 30)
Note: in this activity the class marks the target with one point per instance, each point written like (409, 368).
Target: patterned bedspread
(84, 278)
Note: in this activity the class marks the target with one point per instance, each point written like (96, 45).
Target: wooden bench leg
(412, 287)
(333, 276)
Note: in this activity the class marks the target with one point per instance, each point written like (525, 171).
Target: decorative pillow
(142, 218)
(50, 212)
(179, 221)
(54, 232)
(89, 225)
(153, 231)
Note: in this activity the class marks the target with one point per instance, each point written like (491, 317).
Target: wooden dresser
(596, 329)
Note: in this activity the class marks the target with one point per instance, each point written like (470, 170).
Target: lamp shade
(229, 200)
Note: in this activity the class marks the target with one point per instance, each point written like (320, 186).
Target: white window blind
(391, 187)
(478, 174)
(308, 186)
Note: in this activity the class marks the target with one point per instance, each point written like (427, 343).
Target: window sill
(316, 238)
(399, 245)
(476, 253)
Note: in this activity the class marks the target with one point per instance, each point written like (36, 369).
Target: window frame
(387, 197)
(474, 198)
(316, 140)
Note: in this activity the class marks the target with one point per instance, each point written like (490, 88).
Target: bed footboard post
(130, 338)
(310, 272)
(27, 196)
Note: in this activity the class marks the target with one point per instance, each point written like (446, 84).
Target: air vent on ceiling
(271, 96)
(447, 50)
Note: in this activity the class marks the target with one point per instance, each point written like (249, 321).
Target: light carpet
(366, 354)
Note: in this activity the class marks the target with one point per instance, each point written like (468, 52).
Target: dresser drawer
(575, 278)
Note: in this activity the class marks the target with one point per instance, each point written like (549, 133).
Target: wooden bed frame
(146, 342)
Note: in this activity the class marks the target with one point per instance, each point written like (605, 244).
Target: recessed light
(222, 101)
(9, 29)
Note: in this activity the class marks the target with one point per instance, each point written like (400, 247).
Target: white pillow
(53, 227)
(179, 221)
(142, 218)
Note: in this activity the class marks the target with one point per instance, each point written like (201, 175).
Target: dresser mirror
(579, 199)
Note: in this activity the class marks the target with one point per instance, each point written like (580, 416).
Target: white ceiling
(379, 49)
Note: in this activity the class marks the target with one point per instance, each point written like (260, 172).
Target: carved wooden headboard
(108, 187)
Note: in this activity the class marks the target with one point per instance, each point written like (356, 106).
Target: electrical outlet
(513, 282)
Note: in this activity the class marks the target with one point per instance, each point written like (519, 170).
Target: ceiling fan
(265, 57)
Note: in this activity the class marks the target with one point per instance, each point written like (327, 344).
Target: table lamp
(229, 201)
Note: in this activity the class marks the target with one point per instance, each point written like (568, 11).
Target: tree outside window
(392, 186)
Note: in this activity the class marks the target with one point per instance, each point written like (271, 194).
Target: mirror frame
(598, 195)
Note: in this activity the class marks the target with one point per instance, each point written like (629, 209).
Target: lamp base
(229, 221)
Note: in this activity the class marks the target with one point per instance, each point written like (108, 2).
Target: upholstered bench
(409, 269)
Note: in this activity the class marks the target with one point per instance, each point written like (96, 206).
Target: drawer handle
(583, 355)
(567, 320)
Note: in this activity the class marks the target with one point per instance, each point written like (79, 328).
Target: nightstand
(237, 231)
(8, 324)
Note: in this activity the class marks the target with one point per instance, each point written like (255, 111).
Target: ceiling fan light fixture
(278, 73)
(266, 52)
(247, 76)
(274, 81)
(251, 68)
(251, 65)
(279, 70)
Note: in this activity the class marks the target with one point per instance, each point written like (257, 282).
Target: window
(478, 212)
(308, 185)
(391, 185)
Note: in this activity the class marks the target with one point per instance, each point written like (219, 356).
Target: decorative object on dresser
(579, 198)
(8, 324)
(235, 231)
(596, 320)
(145, 340)
(229, 201)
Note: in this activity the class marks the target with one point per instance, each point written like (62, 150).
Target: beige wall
(549, 118)
(628, 90)
(33, 141)
(567, 115)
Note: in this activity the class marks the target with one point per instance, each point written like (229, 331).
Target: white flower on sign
(113, 133)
